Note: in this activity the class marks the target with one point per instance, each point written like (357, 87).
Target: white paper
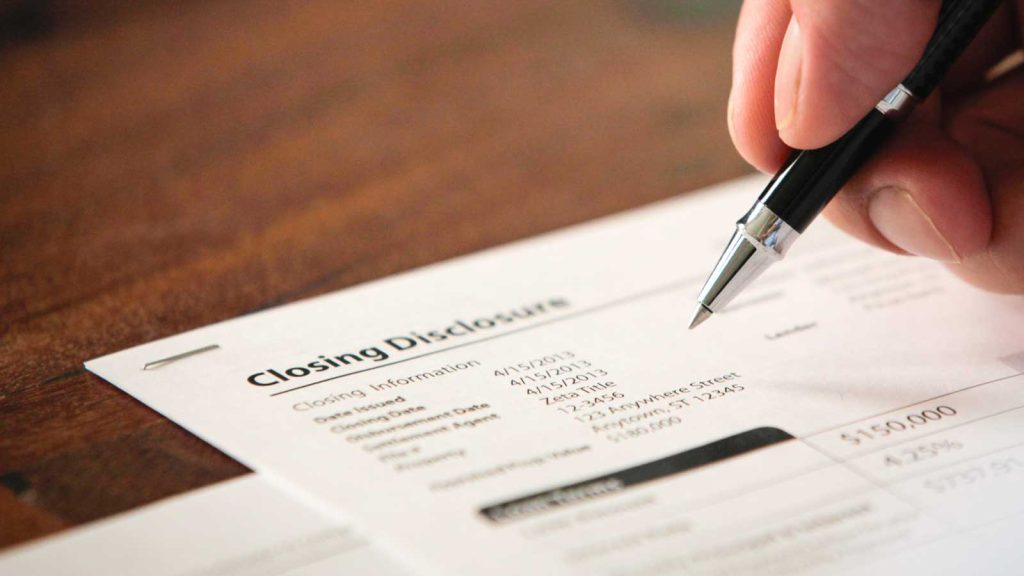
(542, 407)
(240, 527)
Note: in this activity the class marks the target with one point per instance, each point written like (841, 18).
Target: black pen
(810, 178)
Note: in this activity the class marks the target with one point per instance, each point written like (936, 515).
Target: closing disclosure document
(542, 407)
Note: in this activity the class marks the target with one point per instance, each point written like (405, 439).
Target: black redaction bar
(616, 482)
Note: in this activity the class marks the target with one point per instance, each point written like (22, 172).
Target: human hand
(949, 184)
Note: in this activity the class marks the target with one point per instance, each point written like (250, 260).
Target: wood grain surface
(167, 165)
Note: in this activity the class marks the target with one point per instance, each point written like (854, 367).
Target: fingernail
(787, 76)
(898, 217)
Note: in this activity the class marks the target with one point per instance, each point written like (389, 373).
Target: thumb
(839, 58)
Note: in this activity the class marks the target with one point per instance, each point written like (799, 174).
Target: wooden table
(167, 165)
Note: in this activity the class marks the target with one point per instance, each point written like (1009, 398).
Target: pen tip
(701, 314)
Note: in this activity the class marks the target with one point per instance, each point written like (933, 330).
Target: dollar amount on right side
(905, 423)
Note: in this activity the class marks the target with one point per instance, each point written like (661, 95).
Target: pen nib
(699, 315)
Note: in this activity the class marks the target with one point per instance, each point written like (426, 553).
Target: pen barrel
(810, 178)
(959, 22)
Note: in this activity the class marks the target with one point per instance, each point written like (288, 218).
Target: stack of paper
(541, 408)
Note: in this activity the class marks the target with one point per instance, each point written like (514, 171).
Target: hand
(949, 184)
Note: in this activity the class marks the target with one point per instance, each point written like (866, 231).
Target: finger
(750, 114)
(922, 194)
(839, 58)
(991, 128)
(950, 189)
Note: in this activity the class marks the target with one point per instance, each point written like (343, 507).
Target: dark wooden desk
(167, 165)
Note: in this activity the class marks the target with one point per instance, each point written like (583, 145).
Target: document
(542, 408)
(241, 527)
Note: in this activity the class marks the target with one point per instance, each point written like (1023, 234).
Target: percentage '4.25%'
(921, 452)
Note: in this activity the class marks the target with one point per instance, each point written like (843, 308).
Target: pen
(810, 178)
